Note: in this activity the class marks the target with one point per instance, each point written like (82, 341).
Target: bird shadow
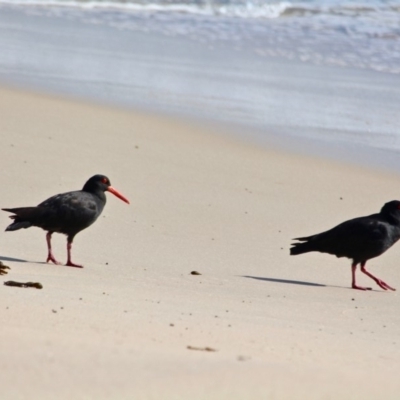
(288, 281)
(4, 258)
(302, 283)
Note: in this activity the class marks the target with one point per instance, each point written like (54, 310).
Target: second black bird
(359, 239)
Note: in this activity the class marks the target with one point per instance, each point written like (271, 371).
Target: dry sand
(283, 327)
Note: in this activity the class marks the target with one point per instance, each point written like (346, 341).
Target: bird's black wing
(75, 210)
(359, 238)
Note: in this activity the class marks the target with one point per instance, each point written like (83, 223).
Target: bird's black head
(100, 183)
(392, 209)
(97, 182)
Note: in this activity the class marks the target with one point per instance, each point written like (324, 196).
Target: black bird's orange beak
(117, 194)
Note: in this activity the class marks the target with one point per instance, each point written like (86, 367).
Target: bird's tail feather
(23, 217)
(18, 225)
(304, 238)
(306, 246)
(300, 248)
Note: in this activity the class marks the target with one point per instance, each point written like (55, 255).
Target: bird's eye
(104, 180)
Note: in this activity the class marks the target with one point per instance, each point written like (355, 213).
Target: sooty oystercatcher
(66, 213)
(359, 239)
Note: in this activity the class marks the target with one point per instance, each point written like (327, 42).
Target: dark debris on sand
(36, 285)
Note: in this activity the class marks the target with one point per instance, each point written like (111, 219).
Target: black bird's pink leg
(353, 281)
(69, 261)
(381, 283)
(50, 256)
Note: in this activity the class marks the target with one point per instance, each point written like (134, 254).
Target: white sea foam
(248, 10)
(363, 33)
(380, 9)
(229, 8)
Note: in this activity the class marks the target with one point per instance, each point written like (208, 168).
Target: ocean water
(361, 33)
(325, 71)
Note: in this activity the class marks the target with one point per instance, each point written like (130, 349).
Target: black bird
(66, 213)
(359, 239)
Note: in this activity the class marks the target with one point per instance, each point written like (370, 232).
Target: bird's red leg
(381, 283)
(50, 256)
(69, 262)
(353, 281)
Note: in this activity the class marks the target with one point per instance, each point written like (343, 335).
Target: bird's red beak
(118, 194)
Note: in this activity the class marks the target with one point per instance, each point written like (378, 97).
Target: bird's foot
(360, 287)
(384, 285)
(71, 264)
(51, 258)
(3, 269)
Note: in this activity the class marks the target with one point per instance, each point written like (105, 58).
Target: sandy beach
(282, 327)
